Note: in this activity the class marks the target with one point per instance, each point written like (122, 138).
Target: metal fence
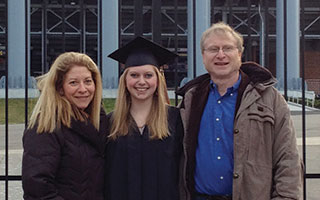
(53, 27)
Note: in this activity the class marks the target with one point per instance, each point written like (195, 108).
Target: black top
(142, 169)
(67, 164)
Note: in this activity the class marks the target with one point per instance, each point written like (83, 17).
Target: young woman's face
(141, 82)
(78, 86)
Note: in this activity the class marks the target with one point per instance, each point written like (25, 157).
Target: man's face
(221, 57)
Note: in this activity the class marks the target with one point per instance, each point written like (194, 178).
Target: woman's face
(141, 82)
(78, 86)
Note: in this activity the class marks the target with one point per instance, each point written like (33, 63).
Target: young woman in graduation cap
(145, 134)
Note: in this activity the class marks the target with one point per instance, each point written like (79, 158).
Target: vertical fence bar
(249, 45)
(27, 62)
(230, 12)
(266, 47)
(81, 27)
(45, 68)
(119, 31)
(194, 39)
(63, 25)
(285, 69)
(176, 49)
(302, 49)
(100, 56)
(84, 26)
(261, 33)
(138, 17)
(6, 106)
(156, 21)
(212, 12)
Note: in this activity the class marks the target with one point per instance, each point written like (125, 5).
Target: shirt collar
(231, 89)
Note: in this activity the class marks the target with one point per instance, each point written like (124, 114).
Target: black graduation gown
(142, 169)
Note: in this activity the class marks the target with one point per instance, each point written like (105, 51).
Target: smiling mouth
(141, 89)
(221, 63)
(84, 97)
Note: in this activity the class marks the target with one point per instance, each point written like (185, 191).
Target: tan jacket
(266, 160)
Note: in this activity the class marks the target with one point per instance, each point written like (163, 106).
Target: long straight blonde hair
(157, 120)
(52, 109)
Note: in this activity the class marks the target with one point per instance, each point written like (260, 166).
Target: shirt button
(221, 177)
(235, 175)
(217, 119)
(231, 94)
(236, 131)
(219, 102)
(218, 157)
(218, 139)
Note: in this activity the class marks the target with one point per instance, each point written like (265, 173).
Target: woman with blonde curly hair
(145, 133)
(63, 143)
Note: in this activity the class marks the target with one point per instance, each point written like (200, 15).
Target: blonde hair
(157, 120)
(223, 28)
(52, 109)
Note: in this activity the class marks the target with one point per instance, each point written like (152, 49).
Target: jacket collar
(202, 80)
(257, 73)
(87, 131)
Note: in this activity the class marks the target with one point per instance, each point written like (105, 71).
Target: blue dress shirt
(214, 153)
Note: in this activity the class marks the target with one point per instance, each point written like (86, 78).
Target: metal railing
(236, 18)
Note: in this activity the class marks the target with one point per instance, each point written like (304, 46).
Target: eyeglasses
(225, 49)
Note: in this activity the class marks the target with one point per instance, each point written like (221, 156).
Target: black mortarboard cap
(141, 51)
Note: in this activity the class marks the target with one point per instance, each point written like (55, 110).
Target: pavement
(312, 151)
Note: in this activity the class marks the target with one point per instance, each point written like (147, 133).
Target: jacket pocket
(260, 135)
(261, 113)
(256, 182)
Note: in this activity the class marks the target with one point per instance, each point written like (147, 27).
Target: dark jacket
(142, 169)
(266, 160)
(67, 164)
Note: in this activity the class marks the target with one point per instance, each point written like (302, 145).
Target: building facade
(97, 27)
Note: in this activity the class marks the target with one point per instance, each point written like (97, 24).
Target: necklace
(141, 129)
(142, 126)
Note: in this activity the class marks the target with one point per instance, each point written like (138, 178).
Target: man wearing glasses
(239, 140)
